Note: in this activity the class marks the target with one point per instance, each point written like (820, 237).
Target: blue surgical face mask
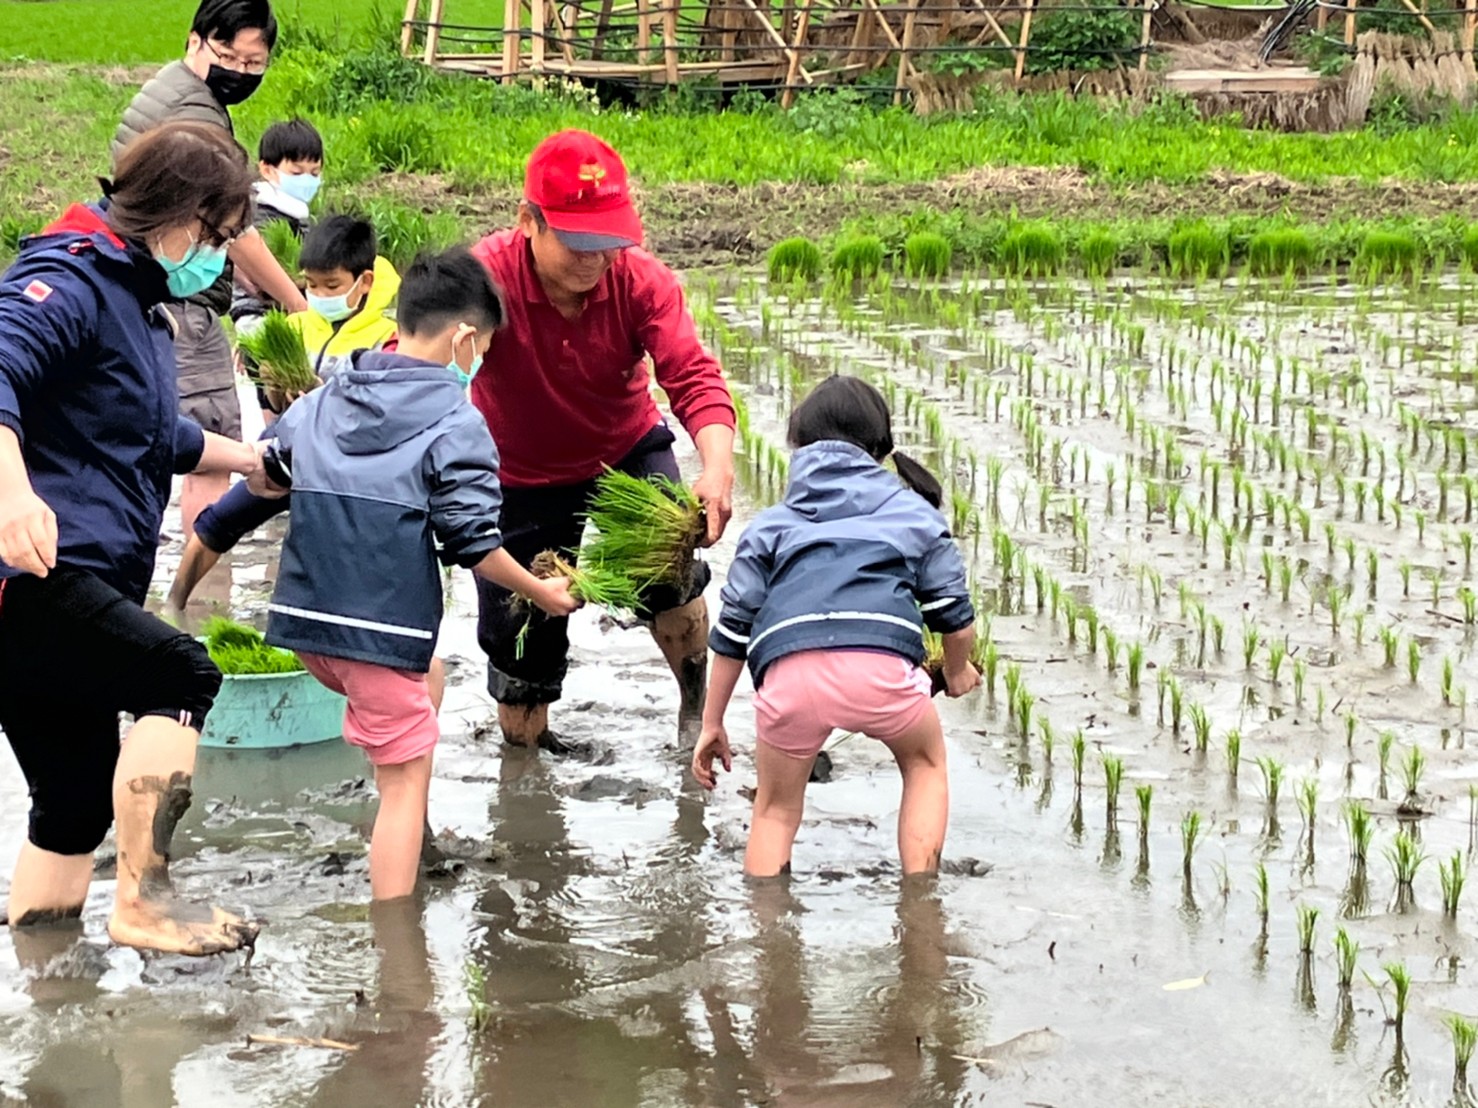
(200, 268)
(334, 308)
(464, 378)
(300, 186)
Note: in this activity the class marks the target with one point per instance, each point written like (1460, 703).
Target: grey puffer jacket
(391, 470)
(172, 95)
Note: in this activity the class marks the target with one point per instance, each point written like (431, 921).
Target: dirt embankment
(711, 224)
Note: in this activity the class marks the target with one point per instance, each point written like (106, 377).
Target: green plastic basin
(270, 711)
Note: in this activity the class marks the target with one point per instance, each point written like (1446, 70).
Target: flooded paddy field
(1220, 531)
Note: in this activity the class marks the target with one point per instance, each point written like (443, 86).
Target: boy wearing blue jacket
(391, 450)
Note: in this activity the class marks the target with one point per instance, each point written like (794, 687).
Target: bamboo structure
(790, 45)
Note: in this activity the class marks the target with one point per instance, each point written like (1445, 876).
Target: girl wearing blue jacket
(826, 600)
(90, 441)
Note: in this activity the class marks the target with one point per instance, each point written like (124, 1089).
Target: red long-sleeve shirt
(564, 398)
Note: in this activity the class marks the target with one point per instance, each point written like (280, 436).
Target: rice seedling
(1260, 887)
(1386, 254)
(1136, 665)
(1308, 917)
(1308, 801)
(1191, 832)
(1400, 979)
(1390, 640)
(1285, 578)
(1143, 795)
(475, 987)
(1277, 651)
(1080, 751)
(1024, 704)
(1272, 778)
(1411, 774)
(1234, 753)
(1049, 743)
(1361, 830)
(1199, 251)
(1300, 675)
(1099, 251)
(1447, 681)
(928, 254)
(1469, 600)
(239, 651)
(1335, 599)
(1452, 875)
(857, 257)
(645, 531)
(1319, 705)
(590, 582)
(1406, 856)
(1351, 722)
(275, 355)
(1111, 649)
(1113, 777)
(1177, 702)
(1280, 251)
(1464, 1039)
(990, 659)
(1347, 957)
(286, 246)
(1032, 249)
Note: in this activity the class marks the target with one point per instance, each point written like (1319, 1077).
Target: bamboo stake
(1026, 34)
(538, 21)
(1416, 11)
(1321, 17)
(512, 21)
(433, 32)
(602, 28)
(779, 40)
(860, 37)
(643, 31)
(802, 25)
(907, 45)
(1350, 23)
(298, 1040)
(1470, 25)
(669, 39)
(1144, 37)
(407, 31)
(567, 30)
(991, 25)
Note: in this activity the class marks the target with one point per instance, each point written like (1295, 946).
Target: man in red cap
(567, 393)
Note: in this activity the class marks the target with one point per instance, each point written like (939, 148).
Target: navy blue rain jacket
(88, 384)
(850, 560)
(391, 469)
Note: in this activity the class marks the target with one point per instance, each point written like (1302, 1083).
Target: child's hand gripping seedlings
(551, 595)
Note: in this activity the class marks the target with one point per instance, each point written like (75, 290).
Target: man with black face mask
(226, 55)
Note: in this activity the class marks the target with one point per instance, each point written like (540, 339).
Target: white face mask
(302, 187)
(335, 308)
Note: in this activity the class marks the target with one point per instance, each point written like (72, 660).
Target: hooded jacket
(87, 382)
(329, 345)
(172, 95)
(850, 560)
(390, 468)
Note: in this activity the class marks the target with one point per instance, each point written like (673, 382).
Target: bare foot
(177, 926)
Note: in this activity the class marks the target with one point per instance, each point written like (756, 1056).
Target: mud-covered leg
(682, 636)
(47, 887)
(151, 792)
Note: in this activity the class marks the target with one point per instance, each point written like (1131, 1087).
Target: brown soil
(692, 225)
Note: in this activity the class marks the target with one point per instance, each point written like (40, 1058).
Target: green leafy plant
(239, 650)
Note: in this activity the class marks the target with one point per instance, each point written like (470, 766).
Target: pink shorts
(806, 696)
(389, 714)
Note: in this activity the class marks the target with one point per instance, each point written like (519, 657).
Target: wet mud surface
(589, 939)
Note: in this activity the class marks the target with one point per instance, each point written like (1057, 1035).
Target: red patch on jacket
(37, 291)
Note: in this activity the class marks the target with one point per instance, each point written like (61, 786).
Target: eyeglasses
(217, 237)
(232, 61)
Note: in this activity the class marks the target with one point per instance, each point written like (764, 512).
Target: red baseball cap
(579, 184)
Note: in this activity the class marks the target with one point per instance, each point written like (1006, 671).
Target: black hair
(451, 287)
(538, 214)
(223, 20)
(848, 409)
(339, 242)
(296, 140)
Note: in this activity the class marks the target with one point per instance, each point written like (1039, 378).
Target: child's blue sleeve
(743, 594)
(466, 497)
(942, 590)
(235, 515)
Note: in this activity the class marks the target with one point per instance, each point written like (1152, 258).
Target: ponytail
(919, 479)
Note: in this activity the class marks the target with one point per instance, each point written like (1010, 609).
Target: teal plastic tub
(271, 711)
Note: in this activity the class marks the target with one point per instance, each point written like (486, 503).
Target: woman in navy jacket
(90, 440)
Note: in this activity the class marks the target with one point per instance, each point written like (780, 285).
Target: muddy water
(624, 962)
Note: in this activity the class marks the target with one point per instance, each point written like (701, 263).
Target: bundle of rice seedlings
(281, 361)
(590, 584)
(857, 257)
(239, 650)
(646, 530)
(1469, 247)
(928, 254)
(1099, 251)
(933, 663)
(1279, 251)
(1199, 251)
(1032, 249)
(795, 259)
(1386, 254)
(284, 243)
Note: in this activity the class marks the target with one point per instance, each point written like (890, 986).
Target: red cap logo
(579, 183)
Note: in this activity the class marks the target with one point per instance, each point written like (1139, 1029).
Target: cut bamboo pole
(299, 1040)
(433, 31)
(861, 37)
(1470, 25)
(1321, 17)
(643, 31)
(1144, 36)
(538, 22)
(407, 26)
(909, 21)
(602, 28)
(802, 26)
(1350, 23)
(669, 39)
(1416, 11)
(567, 19)
(993, 26)
(1026, 37)
(779, 40)
(512, 21)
